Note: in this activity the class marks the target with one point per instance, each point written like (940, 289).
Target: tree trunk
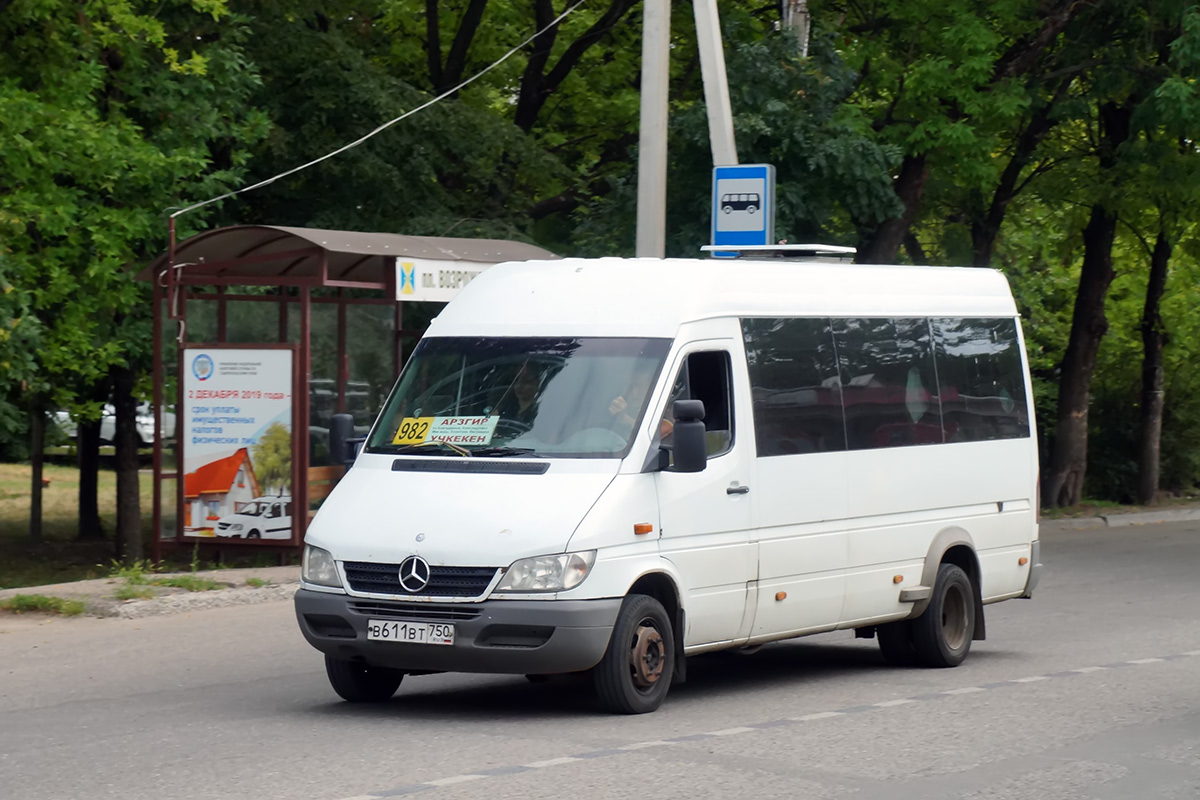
(985, 223)
(1068, 466)
(37, 446)
(1154, 339)
(129, 513)
(1063, 485)
(87, 442)
(884, 244)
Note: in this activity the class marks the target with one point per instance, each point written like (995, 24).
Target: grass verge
(25, 603)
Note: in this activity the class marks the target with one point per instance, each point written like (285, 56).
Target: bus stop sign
(743, 205)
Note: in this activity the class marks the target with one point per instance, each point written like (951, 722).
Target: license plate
(390, 630)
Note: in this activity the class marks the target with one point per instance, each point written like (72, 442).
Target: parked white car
(108, 424)
(261, 518)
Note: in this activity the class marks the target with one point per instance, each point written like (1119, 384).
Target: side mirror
(689, 446)
(341, 429)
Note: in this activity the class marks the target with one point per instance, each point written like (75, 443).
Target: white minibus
(608, 465)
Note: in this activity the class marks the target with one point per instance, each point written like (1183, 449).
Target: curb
(197, 601)
(1136, 518)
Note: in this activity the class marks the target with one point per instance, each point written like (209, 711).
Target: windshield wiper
(413, 449)
(502, 452)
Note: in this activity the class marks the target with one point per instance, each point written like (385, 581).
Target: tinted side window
(982, 384)
(888, 382)
(794, 384)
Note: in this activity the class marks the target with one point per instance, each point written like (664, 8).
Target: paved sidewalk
(238, 587)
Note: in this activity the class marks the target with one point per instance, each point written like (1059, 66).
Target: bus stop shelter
(261, 335)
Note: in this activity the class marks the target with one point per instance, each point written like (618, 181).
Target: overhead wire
(385, 125)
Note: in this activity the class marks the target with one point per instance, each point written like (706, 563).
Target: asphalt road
(1091, 691)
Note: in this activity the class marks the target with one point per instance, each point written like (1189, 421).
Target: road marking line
(553, 762)
(644, 745)
(454, 780)
(818, 715)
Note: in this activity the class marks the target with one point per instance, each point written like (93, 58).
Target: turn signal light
(1022, 561)
(642, 528)
(780, 596)
(897, 579)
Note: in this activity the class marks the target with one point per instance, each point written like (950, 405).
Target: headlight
(548, 573)
(318, 567)
(237, 526)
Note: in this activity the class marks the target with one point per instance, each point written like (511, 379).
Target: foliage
(113, 111)
(272, 458)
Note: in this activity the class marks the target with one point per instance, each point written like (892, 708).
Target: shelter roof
(273, 254)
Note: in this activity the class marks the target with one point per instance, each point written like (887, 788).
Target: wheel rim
(647, 656)
(954, 618)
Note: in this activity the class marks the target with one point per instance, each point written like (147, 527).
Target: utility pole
(716, 86)
(796, 18)
(652, 137)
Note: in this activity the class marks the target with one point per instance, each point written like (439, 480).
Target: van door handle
(734, 488)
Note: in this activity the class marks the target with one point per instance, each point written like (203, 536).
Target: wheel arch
(664, 588)
(954, 545)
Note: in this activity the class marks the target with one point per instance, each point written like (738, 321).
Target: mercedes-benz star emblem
(414, 574)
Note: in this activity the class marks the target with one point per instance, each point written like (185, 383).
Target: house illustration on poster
(215, 489)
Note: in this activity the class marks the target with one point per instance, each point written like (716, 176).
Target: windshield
(254, 509)
(579, 398)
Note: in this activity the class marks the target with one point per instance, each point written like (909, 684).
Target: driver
(520, 402)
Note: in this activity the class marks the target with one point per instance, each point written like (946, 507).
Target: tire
(942, 635)
(360, 683)
(896, 643)
(628, 686)
(254, 535)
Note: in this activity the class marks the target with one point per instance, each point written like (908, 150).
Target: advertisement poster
(237, 442)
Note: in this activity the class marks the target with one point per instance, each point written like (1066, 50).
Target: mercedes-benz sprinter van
(609, 465)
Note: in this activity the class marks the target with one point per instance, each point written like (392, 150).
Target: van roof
(653, 297)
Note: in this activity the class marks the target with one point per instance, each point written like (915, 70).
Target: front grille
(443, 581)
(415, 611)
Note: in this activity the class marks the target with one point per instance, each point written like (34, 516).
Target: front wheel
(942, 635)
(635, 673)
(359, 683)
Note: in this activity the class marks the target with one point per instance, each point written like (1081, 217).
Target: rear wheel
(360, 683)
(635, 673)
(942, 635)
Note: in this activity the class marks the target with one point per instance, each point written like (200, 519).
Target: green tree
(272, 458)
(110, 111)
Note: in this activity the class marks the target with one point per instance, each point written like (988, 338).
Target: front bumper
(499, 636)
